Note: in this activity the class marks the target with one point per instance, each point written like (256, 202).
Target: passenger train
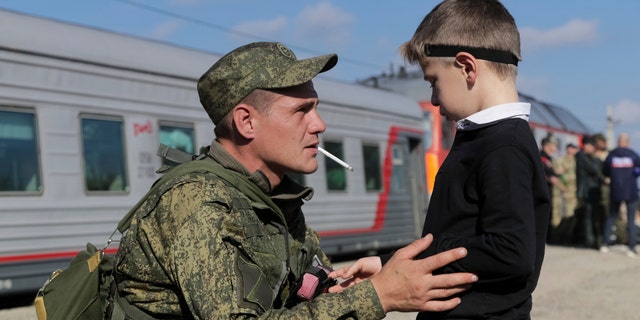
(83, 111)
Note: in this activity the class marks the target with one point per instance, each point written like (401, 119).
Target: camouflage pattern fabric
(204, 251)
(567, 165)
(258, 65)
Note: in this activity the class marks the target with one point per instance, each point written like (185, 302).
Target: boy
(490, 193)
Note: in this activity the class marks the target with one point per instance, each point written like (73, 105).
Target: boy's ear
(243, 120)
(468, 65)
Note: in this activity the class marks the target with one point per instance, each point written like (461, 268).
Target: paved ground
(576, 284)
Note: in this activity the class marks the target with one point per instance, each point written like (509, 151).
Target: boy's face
(448, 89)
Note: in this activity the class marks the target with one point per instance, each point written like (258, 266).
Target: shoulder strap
(205, 165)
(122, 308)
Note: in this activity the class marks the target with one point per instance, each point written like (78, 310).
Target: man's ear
(243, 119)
(468, 66)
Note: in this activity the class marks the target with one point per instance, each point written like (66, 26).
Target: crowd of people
(594, 193)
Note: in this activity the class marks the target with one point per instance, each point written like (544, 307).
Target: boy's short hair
(484, 24)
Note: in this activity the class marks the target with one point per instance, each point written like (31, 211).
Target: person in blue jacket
(622, 166)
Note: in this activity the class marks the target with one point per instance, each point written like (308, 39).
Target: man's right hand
(405, 284)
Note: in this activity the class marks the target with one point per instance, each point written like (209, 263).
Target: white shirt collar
(493, 114)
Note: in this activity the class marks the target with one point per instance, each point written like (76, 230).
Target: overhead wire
(236, 32)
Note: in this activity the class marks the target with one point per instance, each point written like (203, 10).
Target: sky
(579, 55)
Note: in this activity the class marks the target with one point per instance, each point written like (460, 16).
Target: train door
(407, 189)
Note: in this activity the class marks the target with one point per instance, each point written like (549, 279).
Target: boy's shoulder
(513, 132)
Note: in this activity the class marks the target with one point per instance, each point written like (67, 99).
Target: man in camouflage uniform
(548, 148)
(566, 166)
(214, 248)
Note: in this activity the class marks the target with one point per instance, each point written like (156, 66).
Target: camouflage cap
(258, 65)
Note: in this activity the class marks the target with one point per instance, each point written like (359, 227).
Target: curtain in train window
(335, 173)
(178, 136)
(19, 158)
(104, 154)
(372, 176)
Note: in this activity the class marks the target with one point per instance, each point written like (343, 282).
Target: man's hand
(405, 284)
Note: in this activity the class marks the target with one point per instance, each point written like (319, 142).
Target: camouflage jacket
(205, 251)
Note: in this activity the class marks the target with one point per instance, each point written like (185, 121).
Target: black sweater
(491, 197)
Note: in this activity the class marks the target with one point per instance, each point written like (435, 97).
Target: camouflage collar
(220, 155)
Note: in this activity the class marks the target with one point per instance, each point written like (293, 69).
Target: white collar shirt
(494, 114)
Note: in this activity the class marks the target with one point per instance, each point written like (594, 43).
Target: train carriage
(83, 111)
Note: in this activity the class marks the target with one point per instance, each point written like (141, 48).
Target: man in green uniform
(566, 166)
(231, 242)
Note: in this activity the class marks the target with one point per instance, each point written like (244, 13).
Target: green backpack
(85, 290)
(78, 292)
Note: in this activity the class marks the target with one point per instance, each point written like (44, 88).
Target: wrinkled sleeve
(204, 267)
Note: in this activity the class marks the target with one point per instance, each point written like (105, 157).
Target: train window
(104, 155)
(427, 120)
(335, 173)
(19, 155)
(398, 172)
(179, 136)
(372, 176)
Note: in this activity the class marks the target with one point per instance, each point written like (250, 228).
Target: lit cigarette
(334, 158)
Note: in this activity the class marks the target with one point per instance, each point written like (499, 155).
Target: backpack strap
(174, 155)
(122, 308)
(251, 190)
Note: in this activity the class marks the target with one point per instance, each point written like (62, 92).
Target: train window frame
(333, 170)
(125, 180)
(179, 125)
(399, 170)
(374, 173)
(38, 189)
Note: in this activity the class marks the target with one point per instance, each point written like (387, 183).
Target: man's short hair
(588, 140)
